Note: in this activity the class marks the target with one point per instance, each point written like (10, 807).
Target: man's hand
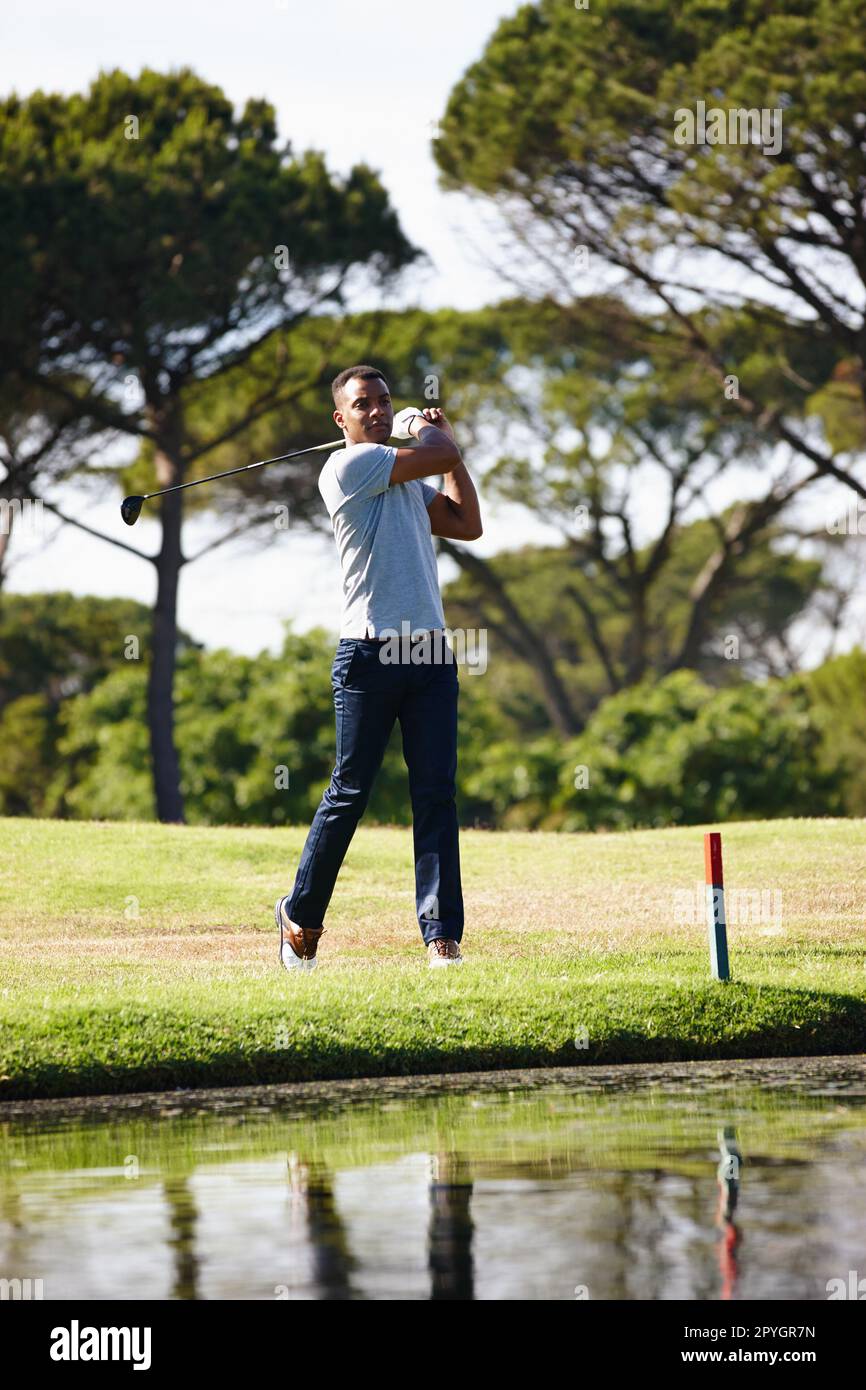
(433, 416)
(402, 424)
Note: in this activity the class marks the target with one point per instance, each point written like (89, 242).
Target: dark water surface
(722, 1180)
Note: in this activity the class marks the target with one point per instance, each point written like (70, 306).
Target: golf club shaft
(315, 448)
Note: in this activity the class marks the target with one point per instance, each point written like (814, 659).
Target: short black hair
(365, 372)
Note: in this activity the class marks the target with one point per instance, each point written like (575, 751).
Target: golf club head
(130, 509)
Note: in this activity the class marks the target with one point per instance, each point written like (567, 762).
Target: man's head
(363, 407)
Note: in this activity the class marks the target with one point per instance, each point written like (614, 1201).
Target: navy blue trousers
(369, 695)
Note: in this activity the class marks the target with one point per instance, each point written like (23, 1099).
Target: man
(384, 518)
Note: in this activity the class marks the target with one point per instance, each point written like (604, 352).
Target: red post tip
(713, 859)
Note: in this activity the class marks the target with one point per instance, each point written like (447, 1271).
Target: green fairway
(142, 957)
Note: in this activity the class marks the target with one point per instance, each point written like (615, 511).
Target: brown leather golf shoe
(297, 944)
(443, 952)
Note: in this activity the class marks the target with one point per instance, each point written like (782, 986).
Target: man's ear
(338, 419)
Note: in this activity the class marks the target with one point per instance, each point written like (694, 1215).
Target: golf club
(130, 507)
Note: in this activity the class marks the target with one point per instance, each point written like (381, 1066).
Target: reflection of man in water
(449, 1234)
(312, 1203)
(449, 1239)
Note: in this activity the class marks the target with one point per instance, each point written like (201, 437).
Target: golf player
(393, 660)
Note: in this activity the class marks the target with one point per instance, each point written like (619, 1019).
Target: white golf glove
(400, 428)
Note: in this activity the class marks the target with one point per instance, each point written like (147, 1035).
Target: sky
(358, 82)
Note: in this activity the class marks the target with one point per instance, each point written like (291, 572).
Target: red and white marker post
(716, 924)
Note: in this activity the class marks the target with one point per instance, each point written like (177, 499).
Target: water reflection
(729, 1190)
(182, 1220)
(668, 1191)
(314, 1209)
(449, 1237)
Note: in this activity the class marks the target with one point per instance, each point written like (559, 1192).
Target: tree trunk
(526, 642)
(636, 639)
(746, 521)
(160, 687)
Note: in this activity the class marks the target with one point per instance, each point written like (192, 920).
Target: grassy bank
(139, 957)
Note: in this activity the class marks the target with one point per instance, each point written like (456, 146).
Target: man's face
(367, 415)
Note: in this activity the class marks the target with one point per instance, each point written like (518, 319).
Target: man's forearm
(458, 486)
(460, 489)
(431, 434)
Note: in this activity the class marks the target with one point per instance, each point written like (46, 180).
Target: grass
(143, 957)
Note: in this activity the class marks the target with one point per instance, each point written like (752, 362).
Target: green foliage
(147, 238)
(581, 94)
(837, 693)
(153, 238)
(60, 644)
(54, 648)
(255, 739)
(839, 406)
(533, 372)
(245, 726)
(453, 354)
(674, 752)
(572, 120)
(513, 785)
(27, 738)
(105, 769)
(770, 590)
(678, 753)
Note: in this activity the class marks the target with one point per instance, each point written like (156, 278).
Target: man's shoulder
(365, 454)
(365, 449)
(357, 472)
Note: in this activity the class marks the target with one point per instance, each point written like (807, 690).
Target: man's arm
(456, 512)
(435, 453)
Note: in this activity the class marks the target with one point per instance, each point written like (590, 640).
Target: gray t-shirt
(385, 543)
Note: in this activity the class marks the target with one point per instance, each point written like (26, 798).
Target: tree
(575, 125)
(255, 740)
(28, 738)
(619, 448)
(597, 432)
(677, 753)
(155, 239)
(835, 690)
(42, 439)
(59, 645)
(55, 648)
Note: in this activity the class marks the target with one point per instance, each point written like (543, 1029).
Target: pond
(703, 1181)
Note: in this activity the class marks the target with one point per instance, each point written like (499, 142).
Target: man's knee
(438, 792)
(345, 799)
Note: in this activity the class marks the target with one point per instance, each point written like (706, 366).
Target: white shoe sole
(438, 962)
(290, 961)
